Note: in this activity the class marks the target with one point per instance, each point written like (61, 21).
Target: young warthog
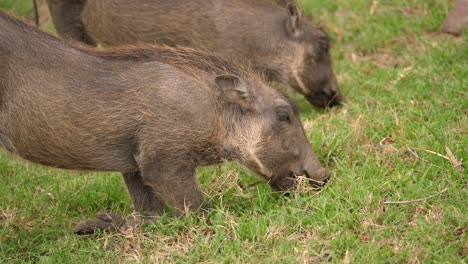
(276, 38)
(152, 113)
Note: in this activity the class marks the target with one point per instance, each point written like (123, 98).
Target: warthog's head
(309, 66)
(264, 130)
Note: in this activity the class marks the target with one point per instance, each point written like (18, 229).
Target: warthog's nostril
(334, 100)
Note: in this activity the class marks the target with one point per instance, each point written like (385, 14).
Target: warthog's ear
(232, 89)
(293, 24)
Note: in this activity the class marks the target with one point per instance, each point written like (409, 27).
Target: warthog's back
(206, 24)
(82, 109)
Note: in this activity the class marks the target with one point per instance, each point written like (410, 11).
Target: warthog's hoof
(103, 222)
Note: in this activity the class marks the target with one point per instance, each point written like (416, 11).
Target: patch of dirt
(366, 238)
(8, 218)
(306, 257)
(433, 214)
(386, 145)
(380, 58)
(306, 235)
(409, 11)
(134, 245)
(384, 60)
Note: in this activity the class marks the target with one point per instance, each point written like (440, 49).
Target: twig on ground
(413, 152)
(325, 256)
(400, 76)
(416, 200)
(373, 6)
(435, 153)
(457, 164)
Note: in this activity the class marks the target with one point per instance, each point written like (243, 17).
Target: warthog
(457, 19)
(276, 38)
(153, 113)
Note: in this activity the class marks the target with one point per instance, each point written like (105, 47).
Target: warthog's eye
(324, 44)
(322, 52)
(283, 114)
(325, 48)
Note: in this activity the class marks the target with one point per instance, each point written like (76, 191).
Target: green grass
(414, 100)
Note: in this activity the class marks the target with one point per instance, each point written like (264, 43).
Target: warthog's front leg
(175, 183)
(66, 15)
(145, 203)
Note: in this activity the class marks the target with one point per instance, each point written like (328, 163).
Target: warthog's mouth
(290, 181)
(322, 100)
(318, 183)
(283, 181)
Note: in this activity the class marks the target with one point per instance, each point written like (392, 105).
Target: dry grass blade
(400, 76)
(347, 258)
(323, 257)
(416, 200)
(457, 164)
(373, 7)
(413, 153)
(435, 153)
(303, 185)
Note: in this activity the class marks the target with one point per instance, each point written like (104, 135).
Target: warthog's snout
(327, 97)
(318, 178)
(317, 175)
(335, 98)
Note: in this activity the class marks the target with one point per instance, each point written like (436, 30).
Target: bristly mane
(180, 57)
(11, 19)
